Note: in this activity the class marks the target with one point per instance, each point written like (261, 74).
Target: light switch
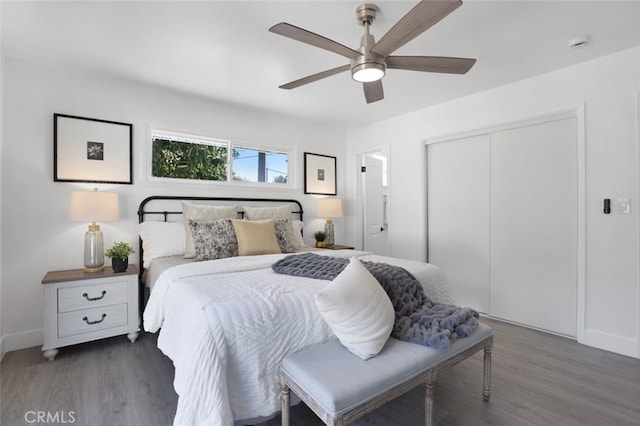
(623, 206)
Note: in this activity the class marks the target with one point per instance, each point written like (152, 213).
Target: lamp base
(93, 249)
(328, 229)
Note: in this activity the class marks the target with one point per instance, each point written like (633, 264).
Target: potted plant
(320, 237)
(119, 253)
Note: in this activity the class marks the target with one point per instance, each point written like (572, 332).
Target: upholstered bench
(341, 387)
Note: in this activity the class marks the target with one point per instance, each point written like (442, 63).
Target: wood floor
(538, 379)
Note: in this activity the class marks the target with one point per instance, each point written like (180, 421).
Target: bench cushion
(339, 381)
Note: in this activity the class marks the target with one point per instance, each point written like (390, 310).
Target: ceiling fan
(369, 63)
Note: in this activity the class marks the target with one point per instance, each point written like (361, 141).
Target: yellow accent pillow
(256, 237)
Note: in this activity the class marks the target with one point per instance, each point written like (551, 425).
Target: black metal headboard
(146, 209)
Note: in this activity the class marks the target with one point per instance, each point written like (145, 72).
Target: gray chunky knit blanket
(417, 318)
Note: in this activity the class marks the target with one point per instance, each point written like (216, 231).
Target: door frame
(576, 111)
(637, 221)
(360, 193)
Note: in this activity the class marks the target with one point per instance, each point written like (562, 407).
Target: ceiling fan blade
(300, 34)
(423, 16)
(373, 91)
(431, 64)
(315, 77)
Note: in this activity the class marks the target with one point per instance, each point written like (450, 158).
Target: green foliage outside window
(183, 160)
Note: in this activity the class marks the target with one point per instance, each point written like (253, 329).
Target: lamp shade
(329, 207)
(94, 206)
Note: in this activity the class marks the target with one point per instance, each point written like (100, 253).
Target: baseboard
(597, 339)
(17, 341)
(612, 343)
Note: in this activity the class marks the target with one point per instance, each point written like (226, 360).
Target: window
(255, 165)
(179, 156)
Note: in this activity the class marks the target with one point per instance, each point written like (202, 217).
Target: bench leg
(486, 381)
(286, 404)
(428, 399)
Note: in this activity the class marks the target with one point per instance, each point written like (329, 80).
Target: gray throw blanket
(418, 319)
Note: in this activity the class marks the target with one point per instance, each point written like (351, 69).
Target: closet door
(534, 214)
(458, 217)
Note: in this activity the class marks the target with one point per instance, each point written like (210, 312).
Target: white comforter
(227, 324)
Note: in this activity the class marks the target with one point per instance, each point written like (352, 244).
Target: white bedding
(227, 324)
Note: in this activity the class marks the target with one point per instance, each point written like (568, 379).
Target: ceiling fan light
(368, 72)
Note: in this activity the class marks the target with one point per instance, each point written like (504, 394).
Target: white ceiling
(223, 51)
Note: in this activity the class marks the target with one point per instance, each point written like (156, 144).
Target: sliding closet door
(534, 214)
(458, 217)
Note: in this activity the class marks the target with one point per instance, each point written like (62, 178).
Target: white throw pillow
(202, 213)
(358, 310)
(262, 213)
(161, 239)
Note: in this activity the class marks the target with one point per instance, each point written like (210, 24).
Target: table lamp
(329, 208)
(94, 206)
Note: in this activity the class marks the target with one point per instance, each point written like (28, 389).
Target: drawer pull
(91, 299)
(94, 322)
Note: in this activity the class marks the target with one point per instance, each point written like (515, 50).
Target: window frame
(231, 145)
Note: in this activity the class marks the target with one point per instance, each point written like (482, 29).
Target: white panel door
(458, 196)
(534, 214)
(375, 233)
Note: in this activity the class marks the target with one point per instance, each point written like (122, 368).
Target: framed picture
(91, 150)
(320, 174)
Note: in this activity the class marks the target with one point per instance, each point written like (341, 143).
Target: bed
(227, 323)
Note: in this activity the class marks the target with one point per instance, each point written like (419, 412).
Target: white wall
(36, 235)
(608, 88)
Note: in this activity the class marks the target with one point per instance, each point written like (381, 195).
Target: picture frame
(320, 174)
(92, 150)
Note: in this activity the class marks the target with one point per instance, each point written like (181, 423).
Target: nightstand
(340, 247)
(80, 307)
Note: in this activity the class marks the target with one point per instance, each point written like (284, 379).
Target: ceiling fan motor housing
(368, 60)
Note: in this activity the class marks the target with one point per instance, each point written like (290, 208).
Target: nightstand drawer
(91, 296)
(88, 320)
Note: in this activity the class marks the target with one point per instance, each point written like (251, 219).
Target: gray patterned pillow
(284, 229)
(213, 239)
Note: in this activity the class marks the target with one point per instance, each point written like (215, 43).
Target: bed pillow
(161, 239)
(213, 239)
(256, 237)
(284, 230)
(358, 310)
(262, 213)
(200, 213)
(296, 236)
